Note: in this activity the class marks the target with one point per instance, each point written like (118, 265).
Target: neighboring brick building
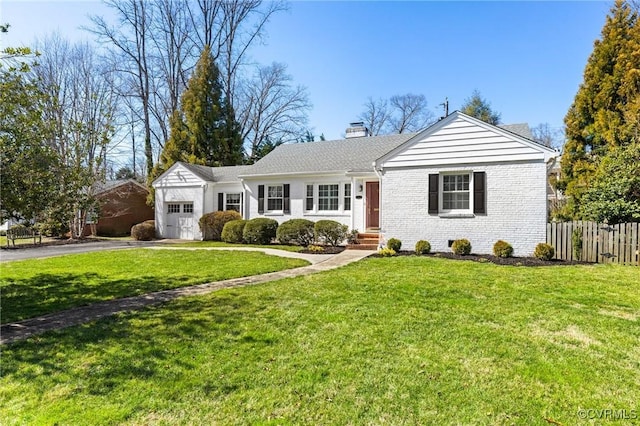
(123, 203)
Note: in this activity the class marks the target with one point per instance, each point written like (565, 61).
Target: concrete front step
(366, 241)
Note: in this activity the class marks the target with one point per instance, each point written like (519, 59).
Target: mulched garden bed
(486, 258)
(325, 250)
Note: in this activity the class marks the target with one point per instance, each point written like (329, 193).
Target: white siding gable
(178, 175)
(463, 140)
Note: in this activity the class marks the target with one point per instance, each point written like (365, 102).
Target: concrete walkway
(23, 329)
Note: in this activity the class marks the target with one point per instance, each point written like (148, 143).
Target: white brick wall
(297, 196)
(516, 208)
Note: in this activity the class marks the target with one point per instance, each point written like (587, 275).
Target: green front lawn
(35, 287)
(205, 244)
(402, 340)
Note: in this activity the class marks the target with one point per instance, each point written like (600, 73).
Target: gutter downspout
(245, 200)
(204, 199)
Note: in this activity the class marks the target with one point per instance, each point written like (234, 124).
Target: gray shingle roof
(344, 155)
(520, 129)
(111, 184)
(337, 156)
(216, 174)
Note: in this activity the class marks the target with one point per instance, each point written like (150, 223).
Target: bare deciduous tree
(399, 114)
(157, 43)
(410, 113)
(548, 136)
(131, 39)
(81, 102)
(376, 115)
(272, 110)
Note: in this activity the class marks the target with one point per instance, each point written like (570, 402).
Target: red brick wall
(121, 208)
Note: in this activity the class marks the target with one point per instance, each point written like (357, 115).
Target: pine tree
(204, 130)
(601, 117)
(478, 107)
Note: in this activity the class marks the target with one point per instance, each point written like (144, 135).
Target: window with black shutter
(433, 193)
(260, 199)
(479, 193)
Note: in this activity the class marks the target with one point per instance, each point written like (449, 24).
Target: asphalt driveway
(10, 254)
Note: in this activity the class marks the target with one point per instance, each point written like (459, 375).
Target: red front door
(373, 204)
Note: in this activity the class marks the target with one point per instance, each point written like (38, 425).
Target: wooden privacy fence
(600, 242)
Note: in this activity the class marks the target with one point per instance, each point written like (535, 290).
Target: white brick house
(459, 178)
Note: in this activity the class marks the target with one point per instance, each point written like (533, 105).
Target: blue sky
(526, 58)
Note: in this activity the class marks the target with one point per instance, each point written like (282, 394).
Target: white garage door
(180, 220)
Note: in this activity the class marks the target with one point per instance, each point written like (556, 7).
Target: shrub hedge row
(301, 232)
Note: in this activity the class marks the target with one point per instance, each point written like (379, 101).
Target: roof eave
(291, 174)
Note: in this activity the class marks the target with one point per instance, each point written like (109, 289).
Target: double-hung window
(455, 192)
(233, 202)
(347, 196)
(308, 201)
(274, 197)
(328, 197)
(458, 194)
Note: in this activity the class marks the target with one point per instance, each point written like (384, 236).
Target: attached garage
(180, 220)
(185, 192)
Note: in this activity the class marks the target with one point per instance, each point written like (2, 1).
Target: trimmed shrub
(145, 231)
(296, 231)
(386, 252)
(423, 247)
(502, 249)
(352, 236)
(233, 231)
(331, 232)
(394, 244)
(544, 251)
(260, 230)
(461, 247)
(211, 224)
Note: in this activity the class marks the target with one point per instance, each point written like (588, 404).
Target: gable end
(460, 139)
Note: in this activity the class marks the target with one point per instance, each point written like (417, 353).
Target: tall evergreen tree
(478, 107)
(204, 130)
(605, 111)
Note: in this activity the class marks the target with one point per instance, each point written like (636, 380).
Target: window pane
(274, 204)
(173, 208)
(308, 205)
(274, 197)
(233, 202)
(328, 197)
(275, 191)
(455, 192)
(187, 208)
(347, 196)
